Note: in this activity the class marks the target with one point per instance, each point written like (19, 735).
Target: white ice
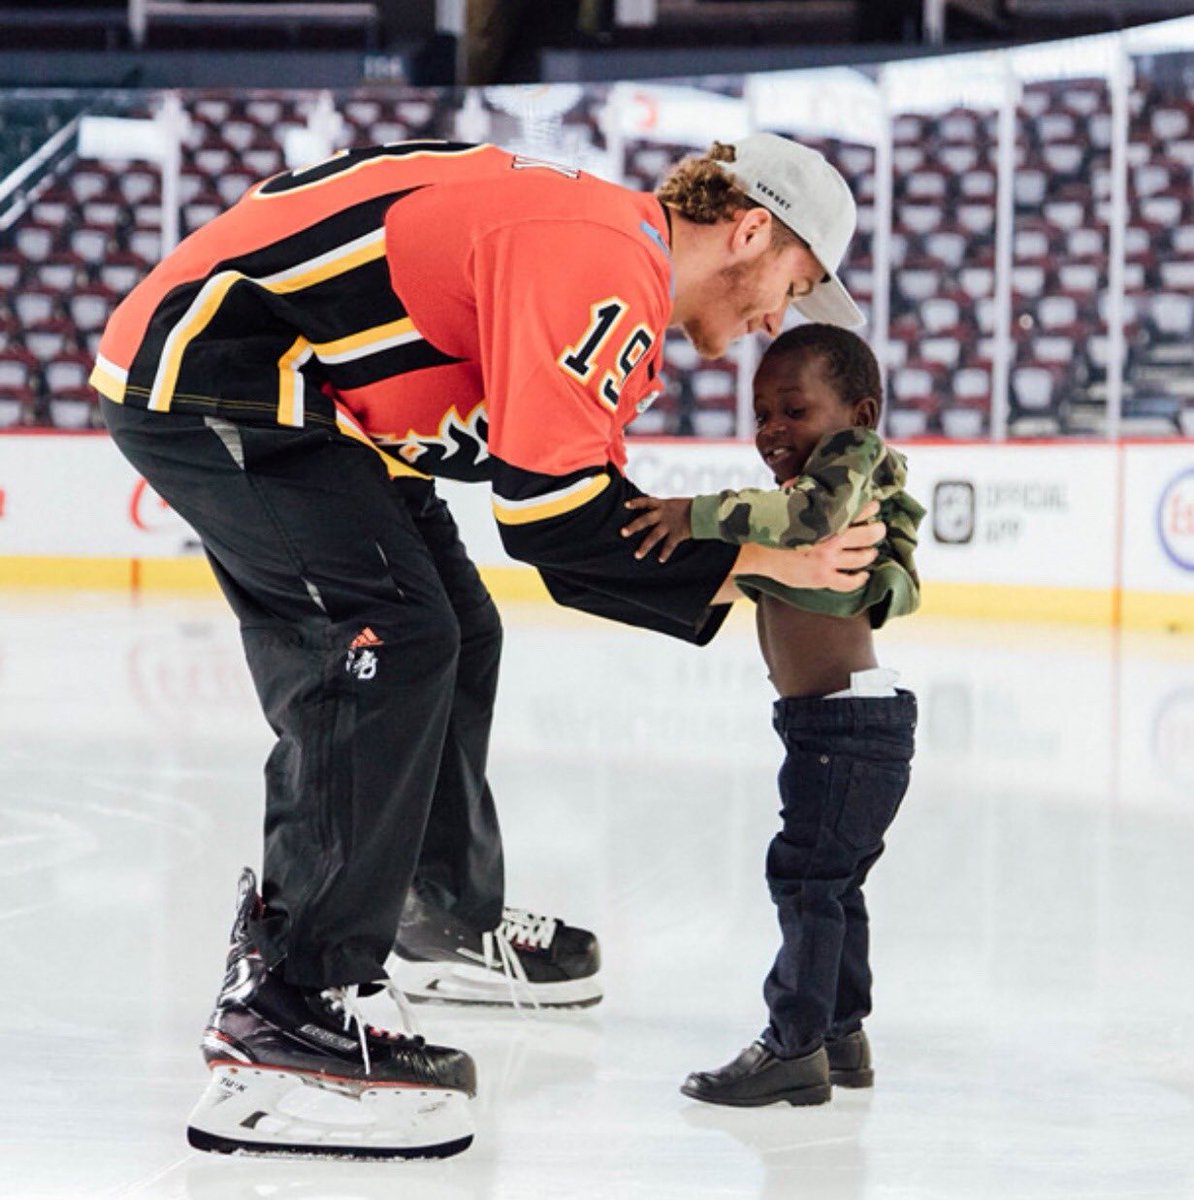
(1033, 917)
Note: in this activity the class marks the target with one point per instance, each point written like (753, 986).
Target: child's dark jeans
(842, 781)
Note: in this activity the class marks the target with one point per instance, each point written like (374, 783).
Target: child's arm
(669, 521)
(845, 471)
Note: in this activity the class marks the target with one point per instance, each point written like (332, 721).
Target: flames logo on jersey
(459, 449)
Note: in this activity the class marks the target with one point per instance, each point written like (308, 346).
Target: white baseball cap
(797, 185)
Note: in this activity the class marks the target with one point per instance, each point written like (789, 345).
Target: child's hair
(850, 364)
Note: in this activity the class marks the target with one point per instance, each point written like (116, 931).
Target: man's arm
(584, 544)
(564, 362)
(568, 527)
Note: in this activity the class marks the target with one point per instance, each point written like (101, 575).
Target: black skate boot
(300, 1072)
(758, 1077)
(527, 959)
(850, 1064)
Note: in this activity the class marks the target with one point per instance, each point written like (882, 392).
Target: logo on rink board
(995, 512)
(1175, 520)
(953, 511)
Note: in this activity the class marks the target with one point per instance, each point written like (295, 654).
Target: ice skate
(539, 962)
(301, 1073)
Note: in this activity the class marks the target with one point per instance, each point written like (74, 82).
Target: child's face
(795, 407)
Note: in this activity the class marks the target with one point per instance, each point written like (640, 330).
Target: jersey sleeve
(571, 317)
(845, 471)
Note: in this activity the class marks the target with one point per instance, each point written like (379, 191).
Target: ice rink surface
(1033, 917)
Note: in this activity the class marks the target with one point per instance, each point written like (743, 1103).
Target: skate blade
(263, 1111)
(441, 983)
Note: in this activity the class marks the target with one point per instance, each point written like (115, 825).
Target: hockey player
(847, 730)
(290, 379)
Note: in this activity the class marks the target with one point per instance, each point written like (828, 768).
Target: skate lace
(526, 929)
(519, 929)
(499, 952)
(346, 1000)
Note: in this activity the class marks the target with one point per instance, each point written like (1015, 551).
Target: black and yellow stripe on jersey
(291, 286)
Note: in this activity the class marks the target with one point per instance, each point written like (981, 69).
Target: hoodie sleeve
(845, 471)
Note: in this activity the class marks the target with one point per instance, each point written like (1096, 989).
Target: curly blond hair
(700, 191)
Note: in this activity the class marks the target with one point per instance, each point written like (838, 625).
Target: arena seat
(1079, 278)
(77, 409)
(33, 304)
(18, 386)
(1170, 317)
(67, 373)
(145, 244)
(138, 184)
(1086, 242)
(1177, 276)
(977, 218)
(916, 395)
(91, 244)
(90, 179)
(1035, 389)
(12, 269)
(122, 270)
(90, 307)
(50, 338)
(1169, 123)
(1030, 187)
(60, 272)
(944, 351)
(1164, 209)
(948, 245)
(35, 241)
(939, 313)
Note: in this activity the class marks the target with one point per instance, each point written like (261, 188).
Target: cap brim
(830, 303)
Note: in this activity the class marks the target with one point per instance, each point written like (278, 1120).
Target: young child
(847, 731)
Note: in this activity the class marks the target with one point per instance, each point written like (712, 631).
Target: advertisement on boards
(76, 496)
(1159, 515)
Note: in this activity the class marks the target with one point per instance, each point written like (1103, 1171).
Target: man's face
(795, 407)
(749, 295)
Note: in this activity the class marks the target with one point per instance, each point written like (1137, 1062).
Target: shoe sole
(862, 1077)
(820, 1094)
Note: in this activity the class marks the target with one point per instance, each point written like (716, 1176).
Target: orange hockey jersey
(473, 314)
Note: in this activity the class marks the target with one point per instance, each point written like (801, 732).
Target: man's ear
(866, 413)
(752, 230)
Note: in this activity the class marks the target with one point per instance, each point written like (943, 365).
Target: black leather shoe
(850, 1063)
(757, 1077)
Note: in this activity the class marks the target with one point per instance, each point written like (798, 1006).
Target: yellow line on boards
(1012, 602)
(1169, 611)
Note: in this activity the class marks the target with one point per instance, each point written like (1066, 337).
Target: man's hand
(667, 521)
(837, 563)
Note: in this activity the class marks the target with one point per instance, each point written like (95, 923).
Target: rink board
(1089, 532)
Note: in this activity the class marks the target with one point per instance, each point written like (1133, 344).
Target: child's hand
(666, 521)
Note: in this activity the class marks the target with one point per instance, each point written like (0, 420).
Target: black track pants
(353, 645)
(461, 864)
